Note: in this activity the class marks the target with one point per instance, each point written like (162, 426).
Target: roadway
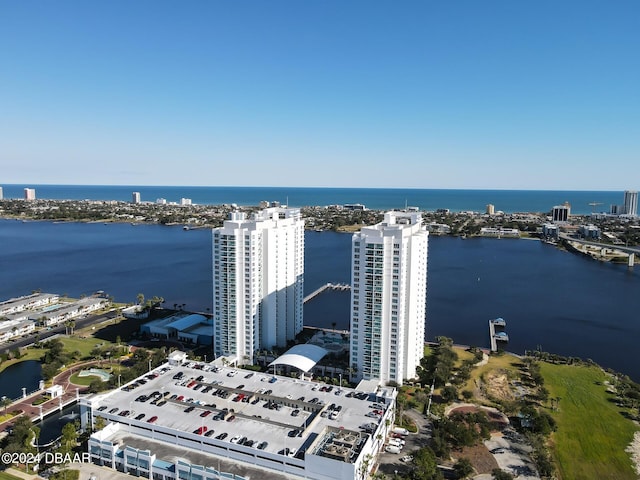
(622, 248)
(57, 330)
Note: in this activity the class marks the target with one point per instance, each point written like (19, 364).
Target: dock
(326, 286)
(497, 336)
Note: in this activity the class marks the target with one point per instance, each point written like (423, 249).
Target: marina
(497, 333)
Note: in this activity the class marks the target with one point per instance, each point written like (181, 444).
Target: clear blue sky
(449, 94)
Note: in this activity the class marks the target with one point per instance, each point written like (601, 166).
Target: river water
(563, 303)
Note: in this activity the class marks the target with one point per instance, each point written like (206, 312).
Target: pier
(327, 286)
(500, 335)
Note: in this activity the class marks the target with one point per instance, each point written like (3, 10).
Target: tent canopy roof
(303, 357)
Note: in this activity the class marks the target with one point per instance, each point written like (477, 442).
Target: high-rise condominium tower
(388, 297)
(135, 197)
(258, 280)
(29, 193)
(631, 202)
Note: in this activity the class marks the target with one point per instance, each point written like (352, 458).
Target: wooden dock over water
(327, 286)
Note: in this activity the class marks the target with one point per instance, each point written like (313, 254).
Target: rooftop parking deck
(275, 412)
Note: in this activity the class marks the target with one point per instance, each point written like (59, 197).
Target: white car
(235, 439)
(391, 449)
(406, 458)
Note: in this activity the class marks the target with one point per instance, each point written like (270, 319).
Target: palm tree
(5, 402)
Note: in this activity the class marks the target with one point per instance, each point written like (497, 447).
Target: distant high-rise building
(135, 197)
(1, 194)
(258, 280)
(29, 193)
(388, 298)
(161, 201)
(185, 201)
(561, 213)
(491, 210)
(631, 202)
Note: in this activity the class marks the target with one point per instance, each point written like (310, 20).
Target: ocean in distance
(508, 201)
(564, 303)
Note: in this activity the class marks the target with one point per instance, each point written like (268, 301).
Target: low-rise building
(11, 328)
(500, 232)
(26, 302)
(68, 311)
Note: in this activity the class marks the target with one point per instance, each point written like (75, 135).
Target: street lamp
(119, 380)
(149, 364)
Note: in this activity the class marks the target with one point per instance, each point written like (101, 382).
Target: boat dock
(327, 286)
(499, 335)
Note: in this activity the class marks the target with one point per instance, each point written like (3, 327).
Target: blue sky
(449, 94)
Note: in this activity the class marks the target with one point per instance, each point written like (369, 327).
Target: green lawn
(86, 381)
(83, 345)
(6, 476)
(592, 433)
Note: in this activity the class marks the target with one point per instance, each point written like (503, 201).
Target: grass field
(592, 434)
(85, 381)
(83, 345)
(6, 476)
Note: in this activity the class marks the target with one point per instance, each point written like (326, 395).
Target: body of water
(562, 302)
(373, 198)
(25, 374)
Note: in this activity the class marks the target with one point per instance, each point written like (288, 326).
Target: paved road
(45, 334)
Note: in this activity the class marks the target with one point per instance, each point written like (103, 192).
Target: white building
(330, 437)
(631, 203)
(29, 193)
(388, 297)
(135, 197)
(27, 302)
(185, 201)
(258, 280)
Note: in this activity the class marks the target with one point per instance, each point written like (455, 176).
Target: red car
(180, 398)
(205, 413)
(201, 430)
(152, 419)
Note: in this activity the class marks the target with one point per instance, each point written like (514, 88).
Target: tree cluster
(55, 357)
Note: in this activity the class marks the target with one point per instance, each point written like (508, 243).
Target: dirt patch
(479, 456)
(498, 386)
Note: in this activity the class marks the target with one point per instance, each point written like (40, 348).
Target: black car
(249, 375)
(296, 432)
(209, 433)
(189, 409)
(140, 417)
(113, 410)
(262, 445)
(222, 436)
(178, 376)
(102, 408)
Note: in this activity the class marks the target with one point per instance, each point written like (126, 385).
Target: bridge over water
(631, 251)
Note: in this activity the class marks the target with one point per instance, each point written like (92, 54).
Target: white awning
(303, 357)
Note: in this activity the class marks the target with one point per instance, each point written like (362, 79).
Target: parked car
(152, 419)
(262, 445)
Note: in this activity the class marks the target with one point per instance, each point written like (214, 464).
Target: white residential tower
(258, 280)
(388, 298)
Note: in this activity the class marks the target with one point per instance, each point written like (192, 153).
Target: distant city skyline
(463, 95)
